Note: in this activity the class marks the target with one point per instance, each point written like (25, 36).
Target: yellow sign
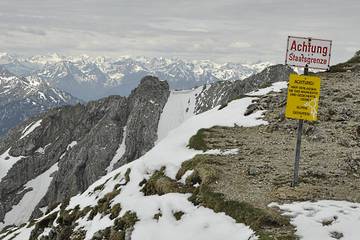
(303, 97)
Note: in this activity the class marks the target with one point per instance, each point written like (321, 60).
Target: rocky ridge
(220, 93)
(82, 140)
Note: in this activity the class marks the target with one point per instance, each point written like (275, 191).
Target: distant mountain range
(24, 97)
(90, 78)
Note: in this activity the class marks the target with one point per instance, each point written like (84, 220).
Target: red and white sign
(308, 51)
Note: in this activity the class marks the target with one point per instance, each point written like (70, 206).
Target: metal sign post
(303, 90)
(295, 181)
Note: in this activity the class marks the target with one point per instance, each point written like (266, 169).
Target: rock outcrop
(83, 140)
(220, 93)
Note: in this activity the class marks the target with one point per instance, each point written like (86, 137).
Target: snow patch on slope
(6, 162)
(179, 107)
(324, 219)
(30, 128)
(71, 145)
(274, 87)
(119, 153)
(38, 187)
(92, 226)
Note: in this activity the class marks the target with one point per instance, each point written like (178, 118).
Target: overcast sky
(220, 30)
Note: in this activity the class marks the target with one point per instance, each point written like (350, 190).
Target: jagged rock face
(221, 93)
(83, 140)
(146, 104)
(21, 98)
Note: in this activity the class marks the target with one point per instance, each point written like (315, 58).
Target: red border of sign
(287, 51)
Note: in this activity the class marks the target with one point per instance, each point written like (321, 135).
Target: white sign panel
(308, 51)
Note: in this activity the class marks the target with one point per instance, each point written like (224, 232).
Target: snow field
(6, 162)
(324, 220)
(37, 187)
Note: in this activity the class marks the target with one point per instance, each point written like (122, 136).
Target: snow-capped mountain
(24, 97)
(91, 78)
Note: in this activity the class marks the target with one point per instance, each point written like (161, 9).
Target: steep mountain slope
(91, 78)
(21, 98)
(217, 174)
(144, 192)
(74, 146)
(185, 104)
(79, 142)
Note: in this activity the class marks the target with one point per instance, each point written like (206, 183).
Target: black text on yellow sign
(303, 97)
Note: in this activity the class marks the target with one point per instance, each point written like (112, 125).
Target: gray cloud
(226, 30)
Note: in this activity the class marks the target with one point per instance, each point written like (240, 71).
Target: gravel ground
(330, 155)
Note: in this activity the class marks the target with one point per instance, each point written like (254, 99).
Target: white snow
(119, 153)
(6, 162)
(43, 209)
(28, 126)
(92, 226)
(71, 145)
(42, 95)
(62, 155)
(275, 87)
(58, 94)
(21, 234)
(21, 212)
(233, 151)
(171, 151)
(318, 220)
(31, 127)
(185, 176)
(42, 150)
(198, 223)
(44, 233)
(179, 107)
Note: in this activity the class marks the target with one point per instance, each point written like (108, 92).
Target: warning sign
(315, 53)
(303, 97)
